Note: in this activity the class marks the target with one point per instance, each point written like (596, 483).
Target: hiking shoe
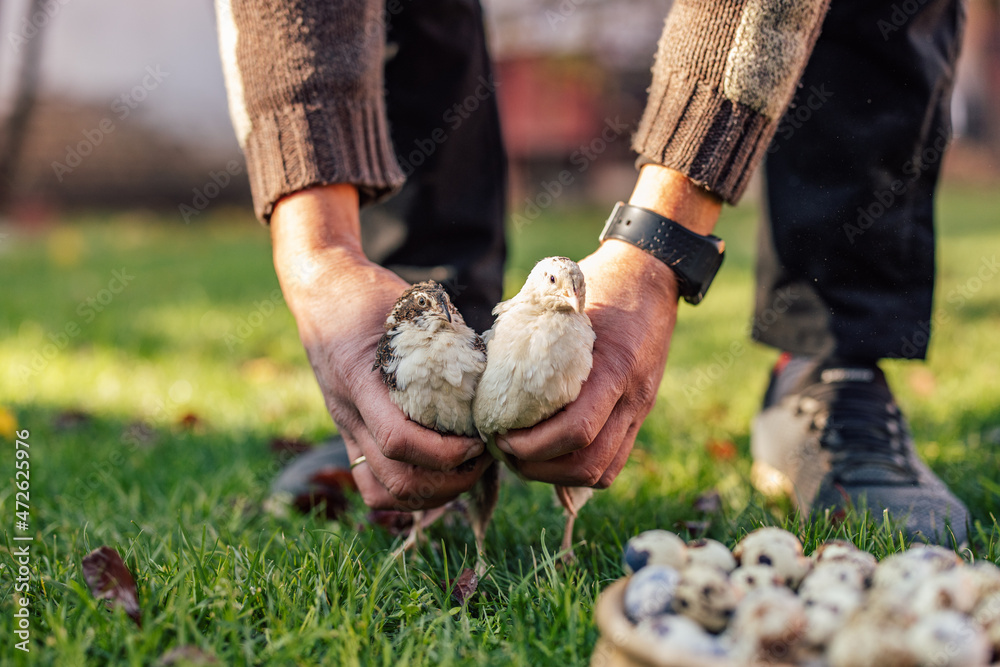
(831, 435)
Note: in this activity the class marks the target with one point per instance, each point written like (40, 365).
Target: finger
(586, 467)
(621, 458)
(408, 487)
(406, 441)
(577, 425)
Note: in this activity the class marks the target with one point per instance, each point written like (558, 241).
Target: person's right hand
(340, 301)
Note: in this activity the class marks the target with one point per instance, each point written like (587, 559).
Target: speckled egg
(674, 634)
(705, 595)
(768, 625)
(949, 639)
(712, 553)
(777, 549)
(650, 591)
(752, 577)
(655, 547)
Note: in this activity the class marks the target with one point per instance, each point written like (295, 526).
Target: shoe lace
(860, 426)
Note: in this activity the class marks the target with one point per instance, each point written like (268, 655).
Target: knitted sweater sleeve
(304, 81)
(724, 73)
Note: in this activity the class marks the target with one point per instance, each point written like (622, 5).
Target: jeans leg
(846, 257)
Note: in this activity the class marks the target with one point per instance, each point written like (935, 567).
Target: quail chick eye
(421, 302)
(552, 279)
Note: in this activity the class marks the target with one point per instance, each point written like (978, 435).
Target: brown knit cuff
(697, 131)
(320, 143)
(724, 73)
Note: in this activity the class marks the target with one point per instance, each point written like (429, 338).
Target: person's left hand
(632, 303)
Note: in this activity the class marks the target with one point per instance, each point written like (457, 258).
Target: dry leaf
(291, 446)
(721, 450)
(327, 488)
(695, 528)
(397, 523)
(190, 421)
(110, 580)
(464, 587)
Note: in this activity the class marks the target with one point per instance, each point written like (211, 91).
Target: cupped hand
(340, 300)
(632, 304)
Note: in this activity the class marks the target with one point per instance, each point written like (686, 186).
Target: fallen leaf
(70, 419)
(293, 446)
(709, 502)
(110, 580)
(186, 655)
(190, 421)
(721, 450)
(327, 488)
(464, 587)
(397, 523)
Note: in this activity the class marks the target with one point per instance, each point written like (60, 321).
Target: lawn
(153, 363)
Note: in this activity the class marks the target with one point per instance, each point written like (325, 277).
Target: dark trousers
(846, 257)
(846, 261)
(447, 223)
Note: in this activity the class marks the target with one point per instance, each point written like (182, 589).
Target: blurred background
(114, 105)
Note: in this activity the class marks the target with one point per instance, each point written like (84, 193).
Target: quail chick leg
(414, 537)
(483, 502)
(572, 498)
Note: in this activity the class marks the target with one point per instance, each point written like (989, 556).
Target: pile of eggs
(768, 602)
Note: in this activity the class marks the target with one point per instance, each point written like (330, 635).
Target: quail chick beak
(573, 299)
(444, 309)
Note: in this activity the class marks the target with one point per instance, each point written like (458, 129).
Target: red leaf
(292, 446)
(464, 587)
(110, 580)
(190, 421)
(395, 522)
(721, 450)
(327, 488)
(338, 477)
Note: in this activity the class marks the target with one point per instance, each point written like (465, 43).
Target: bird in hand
(539, 353)
(431, 362)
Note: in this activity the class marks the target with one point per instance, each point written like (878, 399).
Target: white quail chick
(431, 361)
(539, 353)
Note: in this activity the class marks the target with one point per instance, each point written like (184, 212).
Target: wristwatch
(694, 259)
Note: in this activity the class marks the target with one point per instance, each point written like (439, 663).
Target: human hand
(340, 300)
(632, 304)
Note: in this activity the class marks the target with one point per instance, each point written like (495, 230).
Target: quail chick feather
(539, 353)
(431, 362)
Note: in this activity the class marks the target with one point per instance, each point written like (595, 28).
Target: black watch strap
(694, 259)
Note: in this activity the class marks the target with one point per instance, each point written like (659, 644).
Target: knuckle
(583, 432)
(394, 446)
(590, 476)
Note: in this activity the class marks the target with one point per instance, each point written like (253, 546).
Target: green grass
(200, 329)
